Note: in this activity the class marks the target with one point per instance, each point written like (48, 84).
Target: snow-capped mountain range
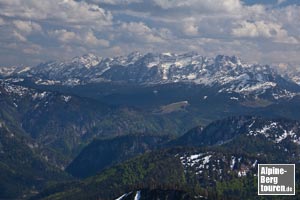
(228, 73)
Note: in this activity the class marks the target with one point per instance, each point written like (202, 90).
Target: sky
(34, 31)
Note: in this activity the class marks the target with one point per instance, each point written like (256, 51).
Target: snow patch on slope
(137, 195)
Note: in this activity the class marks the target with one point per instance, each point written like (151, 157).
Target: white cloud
(190, 28)
(263, 29)
(92, 40)
(63, 35)
(32, 49)
(59, 11)
(212, 5)
(255, 29)
(86, 38)
(280, 1)
(19, 36)
(115, 2)
(27, 26)
(2, 22)
(140, 32)
(111, 27)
